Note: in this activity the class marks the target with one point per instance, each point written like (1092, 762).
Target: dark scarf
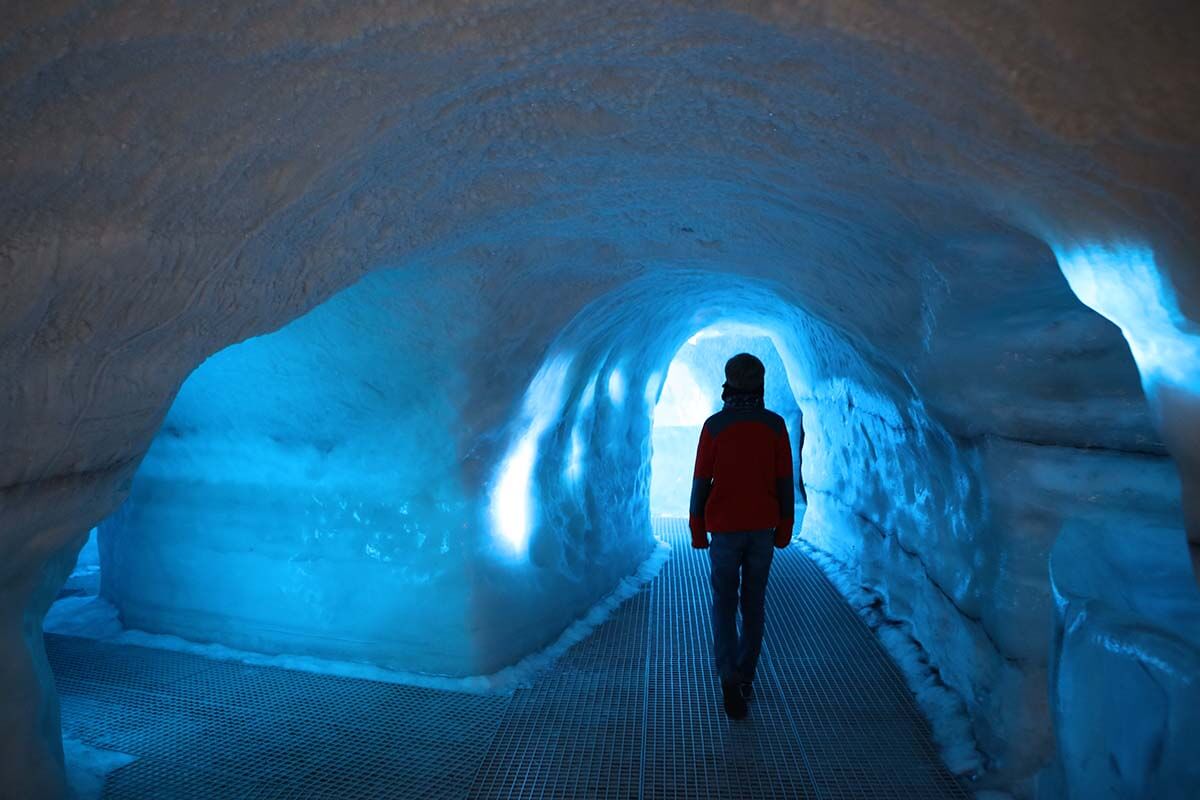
(736, 399)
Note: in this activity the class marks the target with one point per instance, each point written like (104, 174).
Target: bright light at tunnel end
(683, 402)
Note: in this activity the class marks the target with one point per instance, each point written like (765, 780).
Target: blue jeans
(744, 559)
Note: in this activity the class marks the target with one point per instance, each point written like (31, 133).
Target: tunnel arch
(896, 500)
(598, 382)
(851, 369)
(924, 501)
(308, 153)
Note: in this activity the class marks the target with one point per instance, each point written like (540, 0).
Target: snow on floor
(945, 710)
(95, 618)
(83, 615)
(87, 768)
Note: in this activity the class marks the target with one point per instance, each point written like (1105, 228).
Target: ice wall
(328, 490)
(179, 177)
(948, 504)
(1126, 657)
(1150, 295)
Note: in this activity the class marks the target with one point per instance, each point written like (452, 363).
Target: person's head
(743, 376)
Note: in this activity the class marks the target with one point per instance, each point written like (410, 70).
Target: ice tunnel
(319, 499)
(380, 335)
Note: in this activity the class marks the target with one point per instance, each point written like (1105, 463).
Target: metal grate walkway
(633, 711)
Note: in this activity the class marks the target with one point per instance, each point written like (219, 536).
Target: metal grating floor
(633, 711)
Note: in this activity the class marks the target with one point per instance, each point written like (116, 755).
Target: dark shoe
(735, 705)
(747, 691)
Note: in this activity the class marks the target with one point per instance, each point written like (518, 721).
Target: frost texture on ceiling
(569, 191)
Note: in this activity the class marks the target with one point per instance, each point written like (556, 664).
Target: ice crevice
(1151, 451)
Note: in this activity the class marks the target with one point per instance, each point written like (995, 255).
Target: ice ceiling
(971, 230)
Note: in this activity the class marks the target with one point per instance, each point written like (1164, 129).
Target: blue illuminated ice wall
(304, 493)
(1127, 611)
(408, 477)
(404, 476)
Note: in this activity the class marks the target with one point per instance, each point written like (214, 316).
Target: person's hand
(699, 535)
(783, 533)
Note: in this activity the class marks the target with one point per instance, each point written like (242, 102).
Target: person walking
(742, 493)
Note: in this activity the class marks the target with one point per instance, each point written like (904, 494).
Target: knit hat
(744, 373)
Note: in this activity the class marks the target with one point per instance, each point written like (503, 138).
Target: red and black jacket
(743, 478)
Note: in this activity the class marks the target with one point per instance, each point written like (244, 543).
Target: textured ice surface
(179, 177)
(327, 490)
(86, 615)
(1126, 664)
(562, 483)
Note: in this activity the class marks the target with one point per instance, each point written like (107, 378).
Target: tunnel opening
(310, 492)
(79, 608)
(691, 392)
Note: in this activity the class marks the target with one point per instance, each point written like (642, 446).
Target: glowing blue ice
(512, 501)
(652, 389)
(1124, 283)
(616, 387)
(575, 459)
(588, 396)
